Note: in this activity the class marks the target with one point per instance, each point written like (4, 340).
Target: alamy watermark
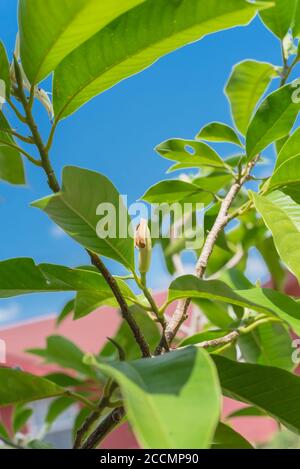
(176, 221)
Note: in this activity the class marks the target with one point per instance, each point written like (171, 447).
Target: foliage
(169, 387)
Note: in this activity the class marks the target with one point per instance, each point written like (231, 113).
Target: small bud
(144, 244)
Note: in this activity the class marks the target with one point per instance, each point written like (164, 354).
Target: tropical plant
(168, 386)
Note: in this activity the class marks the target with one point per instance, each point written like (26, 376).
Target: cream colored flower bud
(143, 242)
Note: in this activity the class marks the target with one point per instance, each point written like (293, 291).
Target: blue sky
(115, 134)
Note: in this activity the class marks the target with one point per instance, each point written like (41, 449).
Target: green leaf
(4, 69)
(269, 344)
(267, 249)
(262, 300)
(246, 85)
(218, 132)
(137, 39)
(296, 24)
(38, 444)
(215, 312)
(74, 209)
(50, 30)
(250, 411)
(20, 417)
(213, 183)
(65, 312)
(11, 163)
(64, 353)
(282, 216)
(166, 388)
(189, 154)
(279, 18)
(23, 276)
(275, 391)
(57, 408)
(176, 191)
(227, 438)
(63, 380)
(3, 431)
(125, 339)
(273, 120)
(290, 149)
(287, 173)
(23, 387)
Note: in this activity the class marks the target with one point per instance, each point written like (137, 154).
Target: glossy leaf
(290, 149)
(269, 344)
(50, 30)
(4, 69)
(63, 352)
(282, 216)
(263, 300)
(189, 154)
(166, 388)
(136, 40)
(279, 18)
(273, 120)
(247, 83)
(249, 411)
(227, 438)
(176, 191)
(57, 408)
(74, 209)
(285, 174)
(20, 417)
(213, 183)
(23, 276)
(11, 164)
(218, 132)
(65, 312)
(23, 387)
(275, 391)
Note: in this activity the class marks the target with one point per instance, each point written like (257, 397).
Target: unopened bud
(144, 244)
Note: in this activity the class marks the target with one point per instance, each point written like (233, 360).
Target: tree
(169, 387)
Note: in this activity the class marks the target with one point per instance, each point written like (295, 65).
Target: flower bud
(143, 242)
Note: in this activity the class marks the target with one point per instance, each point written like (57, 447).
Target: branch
(111, 281)
(28, 140)
(55, 187)
(111, 421)
(221, 221)
(227, 339)
(17, 148)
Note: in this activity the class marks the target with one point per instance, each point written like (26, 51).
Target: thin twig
(111, 281)
(221, 221)
(20, 150)
(28, 140)
(112, 420)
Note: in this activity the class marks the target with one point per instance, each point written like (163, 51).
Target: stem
(55, 187)
(142, 283)
(94, 416)
(287, 69)
(10, 443)
(112, 420)
(82, 399)
(221, 221)
(111, 281)
(28, 140)
(27, 155)
(257, 323)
